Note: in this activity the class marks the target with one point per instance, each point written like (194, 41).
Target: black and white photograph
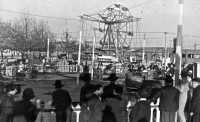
(99, 61)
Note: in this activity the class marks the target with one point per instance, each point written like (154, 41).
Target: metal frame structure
(115, 27)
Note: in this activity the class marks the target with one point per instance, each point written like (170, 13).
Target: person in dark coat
(2, 92)
(169, 100)
(62, 102)
(86, 91)
(115, 107)
(108, 90)
(7, 102)
(141, 111)
(25, 108)
(195, 106)
(95, 105)
(188, 105)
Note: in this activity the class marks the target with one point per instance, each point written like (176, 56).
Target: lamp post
(165, 51)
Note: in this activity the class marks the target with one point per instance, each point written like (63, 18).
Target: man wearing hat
(108, 90)
(169, 100)
(195, 106)
(62, 102)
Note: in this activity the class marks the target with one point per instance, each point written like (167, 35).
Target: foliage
(27, 34)
(70, 45)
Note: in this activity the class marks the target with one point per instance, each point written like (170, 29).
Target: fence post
(156, 107)
(77, 110)
(38, 104)
(47, 114)
(42, 104)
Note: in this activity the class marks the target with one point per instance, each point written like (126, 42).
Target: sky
(156, 16)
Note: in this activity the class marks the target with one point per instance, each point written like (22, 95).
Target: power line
(192, 45)
(192, 36)
(142, 4)
(171, 33)
(131, 7)
(38, 15)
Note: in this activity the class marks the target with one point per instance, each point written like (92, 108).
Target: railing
(47, 113)
(11, 71)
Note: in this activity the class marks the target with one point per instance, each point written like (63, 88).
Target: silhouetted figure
(195, 106)
(61, 101)
(183, 87)
(141, 111)
(117, 106)
(7, 102)
(95, 105)
(169, 100)
(2, 92)
(86, 91)
(108, 115)
(108, 90)
(25, 110)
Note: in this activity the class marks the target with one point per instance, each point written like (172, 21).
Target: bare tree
(30, 35)
(5, 28)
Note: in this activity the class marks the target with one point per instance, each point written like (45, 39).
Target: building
(156, 54)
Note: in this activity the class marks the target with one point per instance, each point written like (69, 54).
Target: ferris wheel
(115, 27)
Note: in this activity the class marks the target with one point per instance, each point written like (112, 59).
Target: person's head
(195, 82)
(28, 94)
(18, 87)
(184, 73)
(2, 86)
(168, 80)
(118, 90)
(145, 91)
(58, 84)
(112, 77)
(98, 89)
(11, 89)
(86, 77)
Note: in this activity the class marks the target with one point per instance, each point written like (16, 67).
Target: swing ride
(113, 29)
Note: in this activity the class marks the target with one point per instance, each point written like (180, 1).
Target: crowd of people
(181, 99)
(109, 103)
(15, 109)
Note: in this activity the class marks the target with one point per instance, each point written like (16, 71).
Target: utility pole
(143, 53)
(93, 51)
(79, 57)
(165, 51)
(48, 49)
(179, 44)
(195, 48)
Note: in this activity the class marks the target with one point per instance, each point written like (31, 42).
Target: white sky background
(158, 16)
